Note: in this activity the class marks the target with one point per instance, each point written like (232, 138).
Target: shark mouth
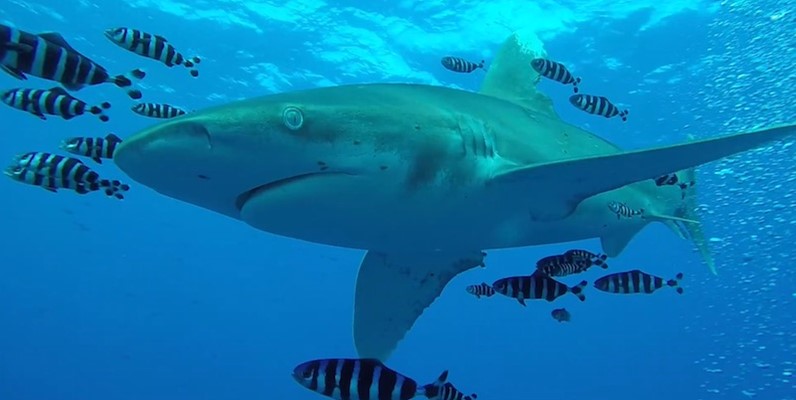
(247, 195)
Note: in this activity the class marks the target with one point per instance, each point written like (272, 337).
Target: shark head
(280, 161)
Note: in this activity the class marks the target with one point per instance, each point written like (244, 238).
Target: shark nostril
(292, 118)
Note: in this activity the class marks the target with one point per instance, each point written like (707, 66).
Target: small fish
(635, 281)
(555, 71)
(95, 148)
(49, 56)
(561, 315)
(622, 210)
(673, 179)
(54, 101)
(53, 172)
(154, 110)
(597, 105)
(536, 286)
(458, 64)
(151, 46)
(483, 289)
(361, 379)
(449, 392)
(594, 259)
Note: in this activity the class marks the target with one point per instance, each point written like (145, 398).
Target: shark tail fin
(689, 210)
(686, 223)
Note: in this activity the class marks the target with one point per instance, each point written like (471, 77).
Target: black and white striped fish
(53, 172)
(569, 263)
(95, 148)
(151, 46)
(672, 180)
(622, 210)
(54, 101)
(360, 379)
(49, 56)
(635, 281)
(597, 105)
(482, 289)
(555, 71)
(449, 392)
(536, 286)
(593, 258)
(458, 64)
(157, 110)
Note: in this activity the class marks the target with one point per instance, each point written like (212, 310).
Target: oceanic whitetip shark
(424, 178)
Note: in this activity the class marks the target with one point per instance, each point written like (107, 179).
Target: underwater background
(152, 298)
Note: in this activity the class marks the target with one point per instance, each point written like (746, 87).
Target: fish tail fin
(575, 85)
(600, 261)
(190, 63)
(126, 81)
(675, 283)
(99, 111)
(577, 290)
(432, 390)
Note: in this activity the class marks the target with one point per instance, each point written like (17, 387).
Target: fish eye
(307, 374)
(292, 118)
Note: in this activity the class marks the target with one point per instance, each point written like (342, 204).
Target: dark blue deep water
(151, 298)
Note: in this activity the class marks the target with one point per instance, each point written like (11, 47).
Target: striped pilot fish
(49, 56)
(55, 101)
(622, 210)
(458, 64)
(53, 172)
(555, 71)
(672, 180)
(151, 46)
(571, 262)
(448, 392)
(95, 148)
(597, 105)
(156, 110)
(482, 289)
(361, 379)
(635, 281)
(536, 286)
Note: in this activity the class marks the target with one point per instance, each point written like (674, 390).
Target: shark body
(423, 178)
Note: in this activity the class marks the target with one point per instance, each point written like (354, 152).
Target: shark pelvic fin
(558, 187)
(392, 290)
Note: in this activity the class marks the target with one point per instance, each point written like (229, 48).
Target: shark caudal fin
(510, 76)
(689, 210)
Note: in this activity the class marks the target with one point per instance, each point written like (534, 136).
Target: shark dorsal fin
(510, 76)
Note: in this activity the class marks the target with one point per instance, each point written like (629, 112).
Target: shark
(424, 178)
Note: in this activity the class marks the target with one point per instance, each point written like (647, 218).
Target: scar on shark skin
(323, 165)
(205, 177)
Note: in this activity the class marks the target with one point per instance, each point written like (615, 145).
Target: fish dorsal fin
(57, 90)
(510, 76)
(113, 138)
(158, 37)
(56, 38)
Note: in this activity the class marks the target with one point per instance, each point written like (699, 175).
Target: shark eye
(292, 118)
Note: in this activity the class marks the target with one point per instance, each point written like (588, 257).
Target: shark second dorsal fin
(510, 76)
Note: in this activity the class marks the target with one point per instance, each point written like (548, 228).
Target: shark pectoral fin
(562, 185)
(392, 290)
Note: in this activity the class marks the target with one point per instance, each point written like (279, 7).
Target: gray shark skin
(423, 178)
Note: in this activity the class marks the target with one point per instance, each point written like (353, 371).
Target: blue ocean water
(151, 298)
